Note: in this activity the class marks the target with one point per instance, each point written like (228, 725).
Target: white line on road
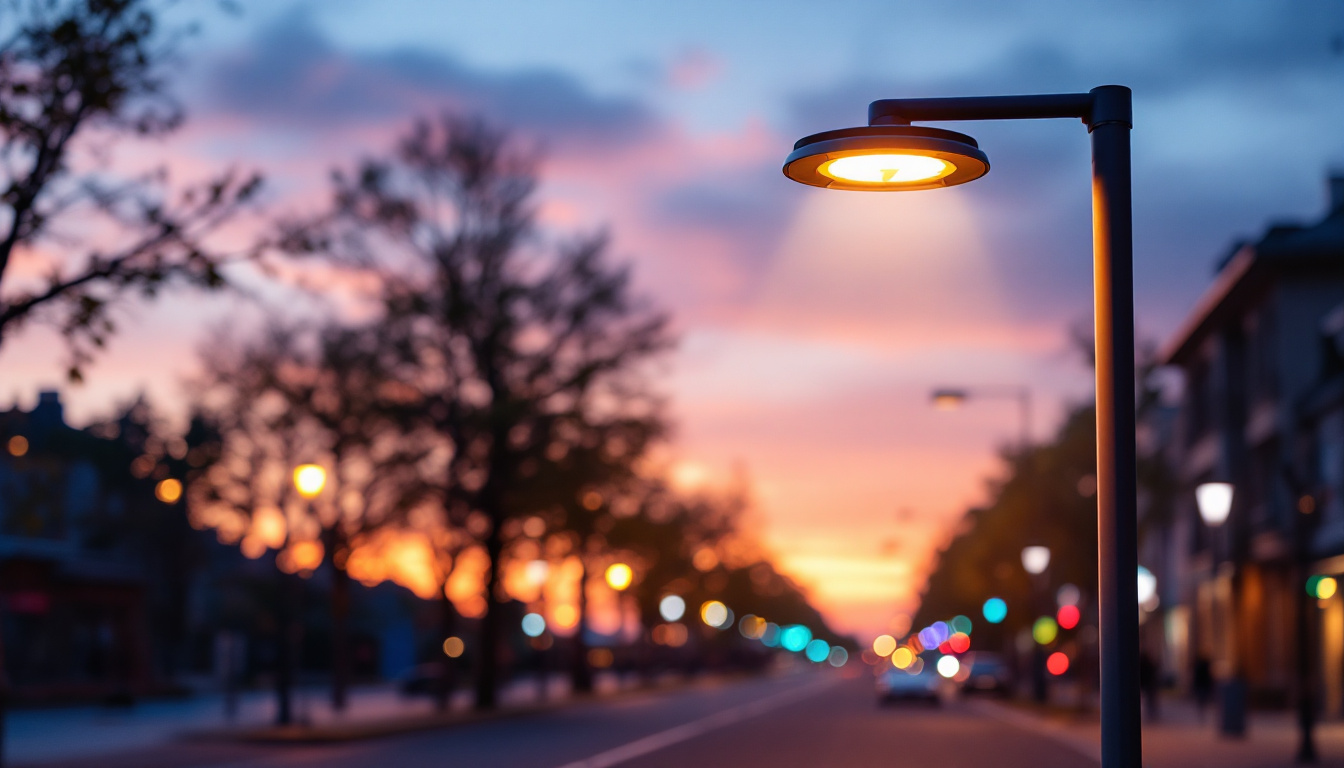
(695, 728)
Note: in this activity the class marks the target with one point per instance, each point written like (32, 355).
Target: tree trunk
(340, 635)
(443, 693)
(581, 674)
(487, 677)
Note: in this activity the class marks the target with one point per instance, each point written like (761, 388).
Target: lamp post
(309, 479)
(952, 398)
(891, 154)
(1035, 561)
(1215, 505)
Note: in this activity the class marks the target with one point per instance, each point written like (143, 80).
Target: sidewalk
(1179, 739)
(45, 735)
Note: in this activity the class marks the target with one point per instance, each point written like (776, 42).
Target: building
(1263, 409)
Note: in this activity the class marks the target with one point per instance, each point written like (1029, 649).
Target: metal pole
(1117, 538)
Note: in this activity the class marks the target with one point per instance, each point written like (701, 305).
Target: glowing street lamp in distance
(1215, 502)
(309, 480)
(948, 399)
(1035, 559)
(619, 576)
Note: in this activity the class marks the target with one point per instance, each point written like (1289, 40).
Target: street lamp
(1215, 502)
(950, 399)
(1215, 505)
(890, 154)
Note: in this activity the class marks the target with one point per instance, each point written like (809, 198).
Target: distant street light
(619, 576)
(1035, 559)
(952, 398)
(309, 480)
(1215, 506)
(1215, 502)
(890, 154)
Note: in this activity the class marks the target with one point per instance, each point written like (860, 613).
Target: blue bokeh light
(995, 610)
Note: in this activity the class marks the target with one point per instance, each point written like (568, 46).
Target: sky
(812, 323)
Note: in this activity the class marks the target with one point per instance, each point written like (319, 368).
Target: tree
(323, 397)
(518, 350)
(75, 77)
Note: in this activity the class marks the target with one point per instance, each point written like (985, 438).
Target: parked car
(895, 685)
(989, 674)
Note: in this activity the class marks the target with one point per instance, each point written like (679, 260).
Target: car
(989, 674)
(895, 685)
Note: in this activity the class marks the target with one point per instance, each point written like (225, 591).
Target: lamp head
(886, 158)
(1214, 501)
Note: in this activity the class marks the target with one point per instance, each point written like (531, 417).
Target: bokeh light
(714, 613)
(948, 666)
(600, 658)
(883, 645)
(18, 445)
(960, 624)
(995, 610)
(1147, 585)
(534, 624)
(902, 657)
(1068, 594)
(672, 607)
(770, 635)
(1057, 664)
(818, 651)
(453, 647)
(169, 490)
(619, 576)
(1045, 630)
(1326, 588)
(309, 479)
(751, 627)
(838, 657)
(795, 637)
(1068, 616)
(959, 642)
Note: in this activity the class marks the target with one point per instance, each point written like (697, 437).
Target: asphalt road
(800, 720)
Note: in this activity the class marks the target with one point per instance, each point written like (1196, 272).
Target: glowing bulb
(886, 168)
(619, 576)
(309, 480)
(1214, 501)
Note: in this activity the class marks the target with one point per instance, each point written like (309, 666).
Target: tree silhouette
(75, 77)
(517, 349)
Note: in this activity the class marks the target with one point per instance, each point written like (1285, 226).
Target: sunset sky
(813, 323)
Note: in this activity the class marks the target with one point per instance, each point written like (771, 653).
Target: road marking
(687, 731)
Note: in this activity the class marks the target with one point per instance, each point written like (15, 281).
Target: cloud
(292, 76)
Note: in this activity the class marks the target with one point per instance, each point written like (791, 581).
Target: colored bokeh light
(959, 642)
(1045, 630)
(169, 490)
(533, 625)
(770, 636)
(838, 657)
(453, 647)
(818, 651)
(961, 624)
(1057, 664)
(309, 479)
(995, 610)
(1326, 588)
(902, 657)
(795, 637)
(1068, 616)
(714, 613)
(884, 645)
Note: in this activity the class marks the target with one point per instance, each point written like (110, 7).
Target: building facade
(1262, 408)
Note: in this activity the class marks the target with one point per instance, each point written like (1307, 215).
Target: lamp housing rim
(810, 153)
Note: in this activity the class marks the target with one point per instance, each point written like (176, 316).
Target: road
(799, 720)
